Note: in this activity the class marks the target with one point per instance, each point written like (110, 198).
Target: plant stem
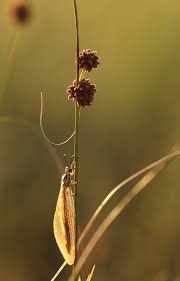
(76, 136)
(77, 40)
(76, 175)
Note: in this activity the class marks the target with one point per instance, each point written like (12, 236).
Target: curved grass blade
(91, 274)
(119, 208)
(118, 187)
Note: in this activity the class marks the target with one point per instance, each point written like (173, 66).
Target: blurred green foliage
(133, 121)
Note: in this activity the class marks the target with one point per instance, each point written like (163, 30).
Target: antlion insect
(64, 217)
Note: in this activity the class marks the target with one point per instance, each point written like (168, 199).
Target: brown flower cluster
(83, 94)
(20, 12)
(88, 60)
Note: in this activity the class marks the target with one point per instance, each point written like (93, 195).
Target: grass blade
(156, 168)
(91, 274)
(118, 187)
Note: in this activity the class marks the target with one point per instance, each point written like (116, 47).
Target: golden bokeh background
(133, 122)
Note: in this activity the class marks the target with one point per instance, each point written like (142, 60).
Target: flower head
(83, 94)
(20, 12)
(88, 60)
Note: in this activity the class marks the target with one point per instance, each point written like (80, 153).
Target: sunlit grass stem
(76, 136)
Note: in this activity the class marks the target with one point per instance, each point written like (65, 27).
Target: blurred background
(134, 121)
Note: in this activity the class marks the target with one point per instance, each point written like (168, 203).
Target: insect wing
(64, 224)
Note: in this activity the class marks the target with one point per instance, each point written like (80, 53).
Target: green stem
(77, 40)
(10, 60)
(76, 136)
(76, 175)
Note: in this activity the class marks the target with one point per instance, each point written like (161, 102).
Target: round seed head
(83, 94)
(88, 60)
(20, 12)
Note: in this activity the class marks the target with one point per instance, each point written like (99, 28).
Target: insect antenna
(65, 160)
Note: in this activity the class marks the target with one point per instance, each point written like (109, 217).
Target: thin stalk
(13, 41)
(77, 40)
(76, 136)
(76, 175)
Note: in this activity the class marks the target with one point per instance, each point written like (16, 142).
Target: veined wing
(64, 224)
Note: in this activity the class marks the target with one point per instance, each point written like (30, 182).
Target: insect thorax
(66, 179)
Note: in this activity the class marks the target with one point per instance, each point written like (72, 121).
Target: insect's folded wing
(64, 224)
